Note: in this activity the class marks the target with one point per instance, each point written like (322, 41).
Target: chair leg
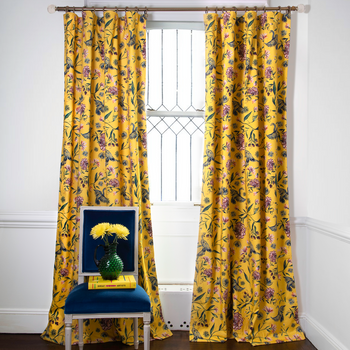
(81, 334)
(146, 330)
(68, 332)
(136, 333)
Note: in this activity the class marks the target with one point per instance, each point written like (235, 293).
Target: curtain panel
(244, 285)
(104, 157)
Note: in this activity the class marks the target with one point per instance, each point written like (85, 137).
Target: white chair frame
(146, 316)
(146, 327)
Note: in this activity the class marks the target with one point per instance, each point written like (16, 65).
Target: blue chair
(83, 303)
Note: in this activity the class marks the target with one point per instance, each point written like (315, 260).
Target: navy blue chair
(83, 303)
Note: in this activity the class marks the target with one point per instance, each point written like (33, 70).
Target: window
(175, 116)
(175, 134)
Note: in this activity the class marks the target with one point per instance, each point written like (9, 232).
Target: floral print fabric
(104, 157)
(244, 284)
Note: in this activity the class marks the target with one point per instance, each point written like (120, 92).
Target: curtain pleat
(244, 284)
(104, 157)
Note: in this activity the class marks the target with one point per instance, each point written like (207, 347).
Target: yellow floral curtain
(104, 156)
(244, 284)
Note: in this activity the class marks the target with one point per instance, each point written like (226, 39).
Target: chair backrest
(127, 249)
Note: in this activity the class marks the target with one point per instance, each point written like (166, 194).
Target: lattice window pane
(169, 70)
(198, 69)
(184, 66)
(154, 69)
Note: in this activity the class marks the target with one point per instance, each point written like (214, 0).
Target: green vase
(110, 265)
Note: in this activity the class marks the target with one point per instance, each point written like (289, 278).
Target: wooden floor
(179, 340)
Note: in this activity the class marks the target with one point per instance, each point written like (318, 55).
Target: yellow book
(123, 282)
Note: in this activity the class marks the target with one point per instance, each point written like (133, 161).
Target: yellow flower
(100, 230)
(120, 230)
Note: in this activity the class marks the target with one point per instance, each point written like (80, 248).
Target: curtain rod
(52, 9)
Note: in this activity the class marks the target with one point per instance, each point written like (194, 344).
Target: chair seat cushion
(81, 300)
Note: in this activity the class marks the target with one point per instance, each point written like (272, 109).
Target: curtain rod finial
(51, 9)
(301, 8)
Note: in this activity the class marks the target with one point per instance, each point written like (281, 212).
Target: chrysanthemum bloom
(100, 230)
(120, 230)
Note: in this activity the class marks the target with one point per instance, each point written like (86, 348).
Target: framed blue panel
(114, 215)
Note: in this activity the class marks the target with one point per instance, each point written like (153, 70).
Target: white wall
(32, 104)
(31, 93)
(329, 122)
(27, 248)
(328, 305)
(175, 242)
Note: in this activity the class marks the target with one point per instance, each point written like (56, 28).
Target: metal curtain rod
(52, 8)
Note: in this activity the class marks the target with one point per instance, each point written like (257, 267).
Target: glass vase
(110, 265)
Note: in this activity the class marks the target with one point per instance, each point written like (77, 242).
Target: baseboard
(23, 321)
(318, 335)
